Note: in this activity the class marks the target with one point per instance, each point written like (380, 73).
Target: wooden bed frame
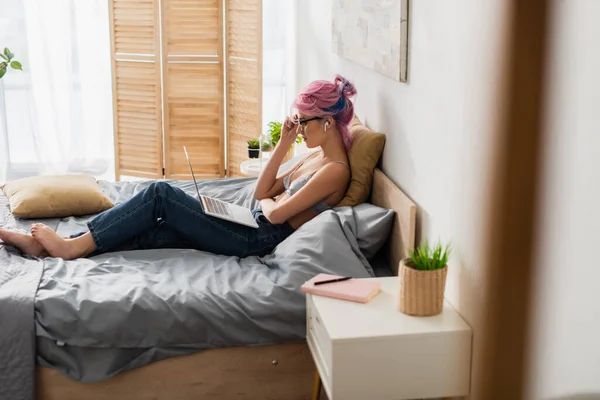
(283, 371)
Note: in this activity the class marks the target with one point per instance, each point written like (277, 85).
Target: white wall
(438, 125)
(439, 143)
(566, 339)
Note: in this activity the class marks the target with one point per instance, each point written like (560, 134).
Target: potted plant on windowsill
(422, 280)
(7, 59)
(253, 148)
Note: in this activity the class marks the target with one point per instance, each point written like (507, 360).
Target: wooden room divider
(185, 72)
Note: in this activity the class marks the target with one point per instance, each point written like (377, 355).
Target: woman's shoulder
(338, 163)
(334, 171)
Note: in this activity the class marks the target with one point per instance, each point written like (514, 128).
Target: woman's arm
(324, 183)
(269, 184)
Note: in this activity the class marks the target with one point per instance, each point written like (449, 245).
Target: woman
(162, 216)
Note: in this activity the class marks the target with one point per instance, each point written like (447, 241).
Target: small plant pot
(253, 153)
(421, 292)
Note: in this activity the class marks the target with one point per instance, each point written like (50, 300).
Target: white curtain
(279, 52)
(56, 115)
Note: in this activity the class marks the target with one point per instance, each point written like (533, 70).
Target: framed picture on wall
(373, 33)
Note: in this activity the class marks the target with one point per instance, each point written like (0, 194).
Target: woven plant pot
(421, 292)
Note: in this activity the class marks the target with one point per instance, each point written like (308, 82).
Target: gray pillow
(374, 225)
(325, 244)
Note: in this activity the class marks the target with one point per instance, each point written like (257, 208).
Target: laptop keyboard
(217, 207)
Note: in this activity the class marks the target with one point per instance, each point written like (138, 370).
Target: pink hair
(329, 99)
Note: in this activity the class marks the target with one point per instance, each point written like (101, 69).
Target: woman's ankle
(83, 245)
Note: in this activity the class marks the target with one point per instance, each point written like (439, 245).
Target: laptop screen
(192, 171)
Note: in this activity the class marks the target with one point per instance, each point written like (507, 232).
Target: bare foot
(68, 249)
(26, 243)
(54, 244)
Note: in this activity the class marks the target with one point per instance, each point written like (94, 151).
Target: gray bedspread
(19, 278)
(96, 317)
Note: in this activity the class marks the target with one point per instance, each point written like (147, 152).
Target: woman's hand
(289, 133)
(268, 183)
(262, 202)
(267, 206)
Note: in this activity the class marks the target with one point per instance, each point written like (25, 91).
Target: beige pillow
(55, 196)
(364, 155)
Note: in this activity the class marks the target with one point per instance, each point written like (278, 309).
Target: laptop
(220, 209)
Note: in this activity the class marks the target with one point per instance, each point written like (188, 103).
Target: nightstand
(373, 351)
(253, 166)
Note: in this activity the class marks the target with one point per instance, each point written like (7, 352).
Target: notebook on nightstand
(358, 290)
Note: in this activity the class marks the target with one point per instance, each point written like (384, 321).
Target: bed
(272, 368)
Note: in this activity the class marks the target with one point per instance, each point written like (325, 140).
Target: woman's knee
(164, 190)
(159, 188)
(155, 190)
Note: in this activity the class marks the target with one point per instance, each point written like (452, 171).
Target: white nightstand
(253, 166)
(372, 351)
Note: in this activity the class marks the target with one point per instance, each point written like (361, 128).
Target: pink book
(358, 290)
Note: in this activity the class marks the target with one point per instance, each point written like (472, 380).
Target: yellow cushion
(55, 196)
(364, 155)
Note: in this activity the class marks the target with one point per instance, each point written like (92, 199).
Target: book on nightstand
(358, 290)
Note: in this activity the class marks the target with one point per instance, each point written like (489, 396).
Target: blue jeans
(163, 216)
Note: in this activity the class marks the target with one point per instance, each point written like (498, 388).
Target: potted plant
(253, 148)
(6, 59)
(422, 279)
(266, 145)
(274, 133)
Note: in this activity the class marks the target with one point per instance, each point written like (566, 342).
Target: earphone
(325, 126)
